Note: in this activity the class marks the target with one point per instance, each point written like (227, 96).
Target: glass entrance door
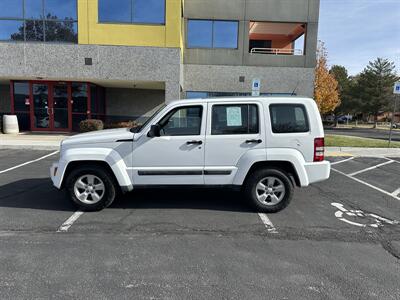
(41, 106)
(60, 109)
(51, 109)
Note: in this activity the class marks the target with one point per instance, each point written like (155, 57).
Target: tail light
(319, 149)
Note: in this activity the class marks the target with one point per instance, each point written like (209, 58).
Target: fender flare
(110, 156)
(273, 154)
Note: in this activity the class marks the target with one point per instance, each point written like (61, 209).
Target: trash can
(10, 124)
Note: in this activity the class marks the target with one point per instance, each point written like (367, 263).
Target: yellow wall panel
(90, 31)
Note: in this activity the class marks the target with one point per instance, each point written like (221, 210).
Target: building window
(203, 95)
(212, 34)
(38, 20)
(132, 11)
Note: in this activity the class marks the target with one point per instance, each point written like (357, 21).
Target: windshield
(139, 128)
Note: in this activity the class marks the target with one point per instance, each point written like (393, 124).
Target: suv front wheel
(269, 190)
(91, 188)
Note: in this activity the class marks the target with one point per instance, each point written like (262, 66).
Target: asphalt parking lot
(338, 239)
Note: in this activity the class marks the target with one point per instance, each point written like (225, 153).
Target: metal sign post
(396, 92)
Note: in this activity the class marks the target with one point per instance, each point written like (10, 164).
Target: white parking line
(372, 168)
(68, 223)
(28, 162)
(368, 184)
(267, 222)
(342, 161)
(396, 192)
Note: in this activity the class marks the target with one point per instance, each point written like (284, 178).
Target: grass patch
(352, 141)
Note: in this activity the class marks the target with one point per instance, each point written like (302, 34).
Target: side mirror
(154, 131)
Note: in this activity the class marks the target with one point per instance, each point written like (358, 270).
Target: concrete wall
(304, 11)
(110, 63)
(211, 78)
(132, 102)
(5, 100)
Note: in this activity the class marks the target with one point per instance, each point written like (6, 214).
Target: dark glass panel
(33, 9)
(11, 30)
(225, 34)
(119, 11)
(21, 96)
(76, 119)
(182, 121)
(288, 118)
(79, 97)
(149, 11)
(41, 106)
(34, 30)
(24, 121)
(234, 119)
(60, 106)
(11, 9)
(199, 34)
(94, 107)
(60, 9)
(66, 31)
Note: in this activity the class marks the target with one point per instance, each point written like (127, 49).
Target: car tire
(91, 188)
(269, 190)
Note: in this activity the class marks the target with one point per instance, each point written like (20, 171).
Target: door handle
(254, 141)
(194, 142)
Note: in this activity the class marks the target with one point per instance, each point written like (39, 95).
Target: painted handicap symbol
(360, 218)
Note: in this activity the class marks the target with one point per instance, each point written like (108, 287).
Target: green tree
(375, 86)
(349, 100)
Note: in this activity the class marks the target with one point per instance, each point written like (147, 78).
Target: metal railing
(277, 51)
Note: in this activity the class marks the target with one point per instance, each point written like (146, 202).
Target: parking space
(358, 164)
(29, 202)
(153, 240)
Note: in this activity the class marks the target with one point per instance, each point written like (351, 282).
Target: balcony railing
(277, 51)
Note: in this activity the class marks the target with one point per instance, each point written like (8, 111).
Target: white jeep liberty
(266, 145)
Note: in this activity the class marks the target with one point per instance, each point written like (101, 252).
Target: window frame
(304, 109)
(212, 34)
(173, 110)
(258, 114)
(132, 22)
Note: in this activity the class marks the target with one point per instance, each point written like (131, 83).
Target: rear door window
(234, 119)
(289, 118)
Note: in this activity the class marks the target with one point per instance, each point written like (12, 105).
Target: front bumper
(318, 171)
(56, 174)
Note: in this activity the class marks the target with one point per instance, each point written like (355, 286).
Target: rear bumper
(318, 171)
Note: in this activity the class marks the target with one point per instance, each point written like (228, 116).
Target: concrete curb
(30, 147)
(362, 152)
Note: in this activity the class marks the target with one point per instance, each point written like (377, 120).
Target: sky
(358, 31)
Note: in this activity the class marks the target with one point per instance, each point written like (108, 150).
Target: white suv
(266, 145)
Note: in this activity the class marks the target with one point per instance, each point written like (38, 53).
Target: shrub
(91, 125)
(122, 124)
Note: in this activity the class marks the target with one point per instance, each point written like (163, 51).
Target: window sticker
(234, 116)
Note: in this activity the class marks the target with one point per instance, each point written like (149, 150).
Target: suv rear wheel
(91, 188)
(269, 190)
